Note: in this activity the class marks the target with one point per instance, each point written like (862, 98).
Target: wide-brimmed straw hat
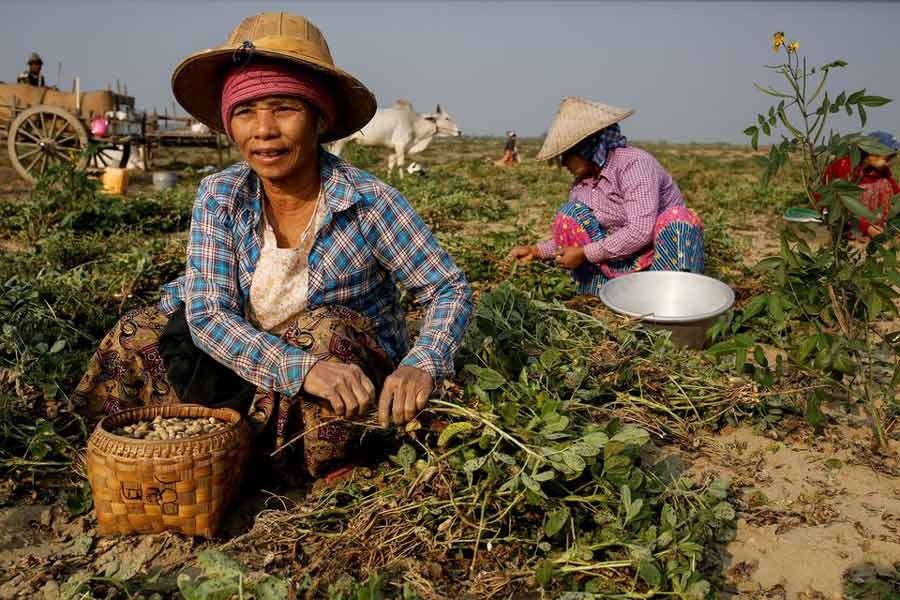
(577, 119)
(197, 80)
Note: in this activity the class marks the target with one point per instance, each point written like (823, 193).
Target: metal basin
(164, 180)
(808, 225)
(686, 304)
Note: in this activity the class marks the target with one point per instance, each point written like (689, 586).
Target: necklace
(312, 220)
(267, 223)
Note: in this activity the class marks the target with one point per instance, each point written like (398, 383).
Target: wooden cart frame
(43, 127)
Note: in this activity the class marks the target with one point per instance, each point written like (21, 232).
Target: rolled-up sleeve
(214, 308)
(640, 201)
(547, 249)
(406, 247)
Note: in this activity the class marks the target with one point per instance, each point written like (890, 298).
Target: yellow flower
(793, 47)
(777, 40)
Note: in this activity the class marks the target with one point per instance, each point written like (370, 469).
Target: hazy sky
(687, 68)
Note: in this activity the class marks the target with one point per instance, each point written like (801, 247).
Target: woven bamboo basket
(150, 486)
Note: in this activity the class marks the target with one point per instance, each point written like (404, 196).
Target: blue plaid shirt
(370, 239)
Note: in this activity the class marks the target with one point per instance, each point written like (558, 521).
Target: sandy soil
(11, 185)
(812, 508)
(819, 512)
(39, 543)
(758, 239)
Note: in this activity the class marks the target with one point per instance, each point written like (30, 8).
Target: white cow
(403, 130)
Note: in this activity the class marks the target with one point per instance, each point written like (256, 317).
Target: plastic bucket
(115, 181)
(164, 180)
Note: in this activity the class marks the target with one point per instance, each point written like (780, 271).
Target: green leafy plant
(85, 258)
(372, 588)
(824, 302)
(223, 577)
(803, 121)
(118, 580)
(528, 460)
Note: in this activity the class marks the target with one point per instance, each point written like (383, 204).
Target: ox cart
(90, 130)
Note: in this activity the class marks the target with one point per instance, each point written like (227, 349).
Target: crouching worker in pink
(289, 307)
(625, 212)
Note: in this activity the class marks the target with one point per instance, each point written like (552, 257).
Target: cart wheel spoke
(113, 155)
(34, 160)
(43, 124)
(64, 131)
(66, 140)
(64, 128)
(58, 134)
(100, 159)
(27, 154)
(49, 161)
(51, 151)
(69, 142)
(29, 135)
(51, 127)
(53, 160)
(35, 130)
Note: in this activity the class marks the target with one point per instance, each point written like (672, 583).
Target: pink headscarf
(275, 79)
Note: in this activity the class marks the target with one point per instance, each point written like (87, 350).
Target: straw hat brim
(197, 86)
(575, 121)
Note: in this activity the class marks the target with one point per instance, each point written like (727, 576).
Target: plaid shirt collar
(382, 234)
(339, 186)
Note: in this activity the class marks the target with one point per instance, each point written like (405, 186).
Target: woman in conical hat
(289, 308)
(625, 213)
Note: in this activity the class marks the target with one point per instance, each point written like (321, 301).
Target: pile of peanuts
(171, 428)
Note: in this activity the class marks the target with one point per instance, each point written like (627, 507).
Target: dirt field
(817, 512)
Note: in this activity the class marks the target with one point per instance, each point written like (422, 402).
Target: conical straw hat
(197, 80)
(577, 119)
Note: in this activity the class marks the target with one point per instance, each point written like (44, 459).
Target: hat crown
(577, 119)
(283, 32)
(35, 58)
(282, 37)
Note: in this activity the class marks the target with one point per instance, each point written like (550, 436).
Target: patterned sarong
(677, 245)
(127, 371)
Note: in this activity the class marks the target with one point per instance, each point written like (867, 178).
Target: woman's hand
(570, 257)
(404, 394)
(523, 253)
(345, 387)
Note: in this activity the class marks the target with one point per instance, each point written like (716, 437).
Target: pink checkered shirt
(632, 190)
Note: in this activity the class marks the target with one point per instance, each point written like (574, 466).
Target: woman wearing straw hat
(288, 308)
(625, 212)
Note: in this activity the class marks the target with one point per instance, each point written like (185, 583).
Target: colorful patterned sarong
(677, 245)
(127, 371)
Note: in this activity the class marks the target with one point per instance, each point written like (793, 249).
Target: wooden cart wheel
(44, 135)
(103, 155)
